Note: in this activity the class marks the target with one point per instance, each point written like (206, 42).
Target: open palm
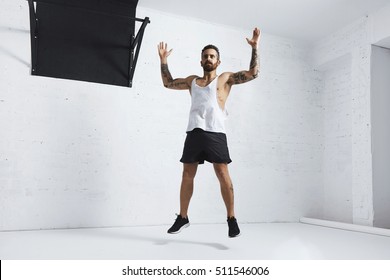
(255, 38)
(163, 50)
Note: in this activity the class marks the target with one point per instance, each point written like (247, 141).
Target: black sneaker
(234, 231)
(179, 224)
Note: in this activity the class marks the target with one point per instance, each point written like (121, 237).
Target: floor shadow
(215, 245)
(107, 232)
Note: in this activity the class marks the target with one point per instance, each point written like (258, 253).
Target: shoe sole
(183, 227)
(235, 235)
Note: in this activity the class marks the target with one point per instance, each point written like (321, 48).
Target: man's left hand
(255, 38)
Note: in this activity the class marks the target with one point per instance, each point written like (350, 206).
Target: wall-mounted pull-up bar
(89, 40)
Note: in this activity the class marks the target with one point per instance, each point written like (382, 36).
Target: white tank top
(205, 112)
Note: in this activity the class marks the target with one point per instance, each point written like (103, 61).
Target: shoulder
(191, 78)
(223, 79)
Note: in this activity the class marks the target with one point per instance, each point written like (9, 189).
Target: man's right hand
(163, 52)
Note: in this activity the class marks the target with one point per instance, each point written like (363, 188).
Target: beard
(208, 67)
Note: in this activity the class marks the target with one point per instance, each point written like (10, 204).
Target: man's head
(211, 47)
(210, 58)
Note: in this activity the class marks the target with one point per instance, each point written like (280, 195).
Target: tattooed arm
(166, 76)
(253, 72)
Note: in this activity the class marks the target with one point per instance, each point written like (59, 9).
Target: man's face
(210, 60)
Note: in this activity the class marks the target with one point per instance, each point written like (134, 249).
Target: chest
(215, 87)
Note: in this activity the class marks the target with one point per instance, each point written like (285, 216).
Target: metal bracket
(33, 36)
(136, 46)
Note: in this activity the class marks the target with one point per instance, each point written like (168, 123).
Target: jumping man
(206, 135)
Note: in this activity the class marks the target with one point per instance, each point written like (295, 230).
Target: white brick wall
(351, 48)
(335, 88)
(347, 121)
(380, 100)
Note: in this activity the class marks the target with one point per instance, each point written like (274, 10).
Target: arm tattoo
(239, 77)
(169, 82)
(177, 84)
(166, 75)
(164, 68)
(246, 76)
(254, 63)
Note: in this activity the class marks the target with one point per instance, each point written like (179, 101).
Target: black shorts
(202, 145)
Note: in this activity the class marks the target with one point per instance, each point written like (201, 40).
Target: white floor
(271, 241)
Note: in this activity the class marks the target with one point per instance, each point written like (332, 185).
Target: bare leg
(187, 187)
(222, 172)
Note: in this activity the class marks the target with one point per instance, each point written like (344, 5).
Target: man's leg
(222, 172)
(187, 187)
(221, 169)
(186, 190)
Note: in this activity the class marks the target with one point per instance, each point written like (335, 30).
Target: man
(206, 135)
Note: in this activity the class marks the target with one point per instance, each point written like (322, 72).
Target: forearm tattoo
(166, 75)
(246, 76)
(254, 63)
(168, 81)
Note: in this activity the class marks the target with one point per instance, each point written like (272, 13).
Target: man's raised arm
(166, 76)
(253, 72)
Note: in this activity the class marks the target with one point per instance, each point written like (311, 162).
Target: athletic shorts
(202, 145)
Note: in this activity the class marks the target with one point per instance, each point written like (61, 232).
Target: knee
(188, 174)
(223, 175)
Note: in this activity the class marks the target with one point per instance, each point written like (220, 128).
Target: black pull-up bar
(89, 11)
(95, 43)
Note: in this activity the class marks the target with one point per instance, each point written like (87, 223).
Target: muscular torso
(223, 88)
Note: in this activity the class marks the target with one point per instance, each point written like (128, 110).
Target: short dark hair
(211, 47)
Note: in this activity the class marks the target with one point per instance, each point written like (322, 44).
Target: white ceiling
(307, 20)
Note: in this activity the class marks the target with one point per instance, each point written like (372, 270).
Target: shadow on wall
(3, 50)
